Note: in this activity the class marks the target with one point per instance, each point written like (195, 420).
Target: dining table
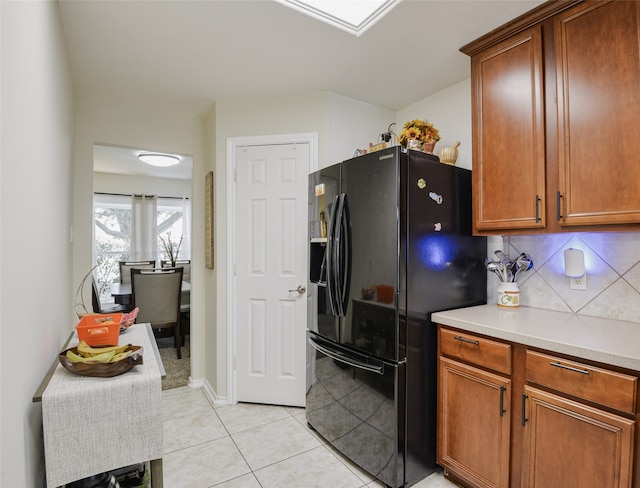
(93, 425)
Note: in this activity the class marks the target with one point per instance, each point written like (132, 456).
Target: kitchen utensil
(502, 257)
(524, 263)
(506, 273)
(494, 266)
(513, 266)
(448, 155)
(504, 260)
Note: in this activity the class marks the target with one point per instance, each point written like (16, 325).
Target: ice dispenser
(317, 257)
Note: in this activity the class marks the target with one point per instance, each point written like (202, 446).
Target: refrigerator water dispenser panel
(317, 262)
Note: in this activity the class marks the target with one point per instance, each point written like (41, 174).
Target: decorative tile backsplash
(613, 273)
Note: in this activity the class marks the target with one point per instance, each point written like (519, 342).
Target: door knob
(301, 289)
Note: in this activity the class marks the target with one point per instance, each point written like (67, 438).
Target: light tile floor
(252, 446)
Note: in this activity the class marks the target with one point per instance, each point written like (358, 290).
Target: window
(112, 234)
(173, 228)
(112, 237)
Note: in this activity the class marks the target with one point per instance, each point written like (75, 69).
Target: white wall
(342, 125)
(128, 184)
(36, 314)
(250, 117)
(450, 111)
(354, 125)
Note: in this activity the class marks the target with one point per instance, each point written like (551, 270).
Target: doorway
(118, 175)
(268, 250)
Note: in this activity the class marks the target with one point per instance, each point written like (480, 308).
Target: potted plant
(171, 249)
(420, 135)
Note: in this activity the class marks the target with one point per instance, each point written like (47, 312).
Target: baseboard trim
(210, 393)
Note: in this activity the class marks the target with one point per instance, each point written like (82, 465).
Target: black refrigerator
(389, 243)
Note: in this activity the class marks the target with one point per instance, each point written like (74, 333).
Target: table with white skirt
(93, 425)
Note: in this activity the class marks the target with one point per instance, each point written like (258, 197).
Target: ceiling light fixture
(158, 159)
(354, 17)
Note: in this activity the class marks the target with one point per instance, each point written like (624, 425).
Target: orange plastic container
(95, 332)
(385, 293)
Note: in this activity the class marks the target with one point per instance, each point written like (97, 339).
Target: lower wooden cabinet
(570, 444)
(511, 416)
(473, 423)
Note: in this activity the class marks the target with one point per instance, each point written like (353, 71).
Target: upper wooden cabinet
(508, 134)
(598, 90)
(556, 104)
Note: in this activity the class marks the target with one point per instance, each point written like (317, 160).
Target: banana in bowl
(103, 362)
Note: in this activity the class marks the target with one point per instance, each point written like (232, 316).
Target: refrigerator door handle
(346, 283)
(343, 358)
(342, 256)
(336, 256)
(331, 278)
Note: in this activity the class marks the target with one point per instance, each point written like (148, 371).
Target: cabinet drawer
(615, 390)
(477, 350)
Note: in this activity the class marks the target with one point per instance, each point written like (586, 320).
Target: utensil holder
(508, 295)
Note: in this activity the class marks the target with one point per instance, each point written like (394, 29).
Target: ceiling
(124, 161)
(187, 54)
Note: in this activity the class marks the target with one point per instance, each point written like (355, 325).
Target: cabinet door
(473, 424)
(598, 79)
(570, 444)
(508, 134)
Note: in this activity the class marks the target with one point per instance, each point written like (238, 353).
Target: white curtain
(186, 226)
(144, 228)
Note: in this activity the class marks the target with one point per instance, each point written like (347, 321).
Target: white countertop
(608, 341)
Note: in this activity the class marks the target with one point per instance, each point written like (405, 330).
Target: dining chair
(185, 301)
(184, 263)
(99, 307)
(156, 293)
(125, 277)
(127, 266)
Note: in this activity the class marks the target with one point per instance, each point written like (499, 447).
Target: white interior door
(270, 273)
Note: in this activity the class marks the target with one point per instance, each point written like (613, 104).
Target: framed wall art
(208, 224)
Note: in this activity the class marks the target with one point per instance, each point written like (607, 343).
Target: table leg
(156, 473)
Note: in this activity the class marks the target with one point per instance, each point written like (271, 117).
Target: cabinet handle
(464, 339)
(537, 209)
(524, 409)
(570, 368)
(559, 204)
(502, 410)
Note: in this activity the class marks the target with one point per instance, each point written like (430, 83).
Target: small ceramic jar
(508, 295)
